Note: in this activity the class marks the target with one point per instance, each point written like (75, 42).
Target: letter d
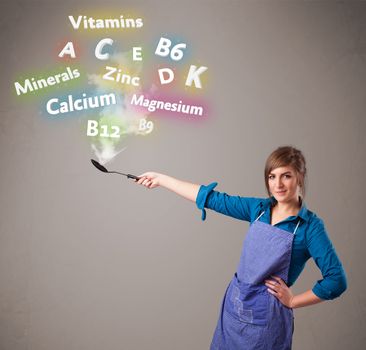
(170, 75)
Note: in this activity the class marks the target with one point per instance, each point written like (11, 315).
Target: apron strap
(259, 216)
(297, 226)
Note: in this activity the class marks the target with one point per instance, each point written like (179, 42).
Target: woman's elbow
(341, 286)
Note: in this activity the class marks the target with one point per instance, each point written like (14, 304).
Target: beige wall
(94, 262)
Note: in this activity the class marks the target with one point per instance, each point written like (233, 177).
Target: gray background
(95, 262)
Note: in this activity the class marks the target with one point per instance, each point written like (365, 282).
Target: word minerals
(33, 84)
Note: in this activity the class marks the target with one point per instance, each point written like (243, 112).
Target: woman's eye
(288, 176)
(271, 177)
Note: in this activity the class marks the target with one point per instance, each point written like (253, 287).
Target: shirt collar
(303, 212)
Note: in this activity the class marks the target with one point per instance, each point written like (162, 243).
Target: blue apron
(251, 317)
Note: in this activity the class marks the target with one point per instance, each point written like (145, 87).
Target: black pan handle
(129, 176)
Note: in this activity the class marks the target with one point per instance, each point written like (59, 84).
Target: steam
(121, 114)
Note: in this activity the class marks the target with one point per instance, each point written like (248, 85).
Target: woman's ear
(301, 192)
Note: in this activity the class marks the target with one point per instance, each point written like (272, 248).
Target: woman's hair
(286, 156)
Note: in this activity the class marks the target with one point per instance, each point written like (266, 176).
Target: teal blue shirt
(311, 239)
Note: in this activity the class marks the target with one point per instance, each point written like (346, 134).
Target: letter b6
(163, 49)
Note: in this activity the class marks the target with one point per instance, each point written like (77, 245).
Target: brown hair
(286, 156)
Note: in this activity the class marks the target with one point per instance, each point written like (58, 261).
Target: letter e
(136, 54)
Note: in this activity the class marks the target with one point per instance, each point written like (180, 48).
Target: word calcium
(54, 106)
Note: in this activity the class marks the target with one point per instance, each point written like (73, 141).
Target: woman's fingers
(278, 279)
(275, 284)
(148, 180)
(141, 179)
(272, 285)
(271, 291)
(144, 181)
(144, 174)
(280, 290)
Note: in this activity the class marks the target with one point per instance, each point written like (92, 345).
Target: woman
(257, 309)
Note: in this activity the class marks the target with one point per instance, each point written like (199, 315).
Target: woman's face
(284, 184)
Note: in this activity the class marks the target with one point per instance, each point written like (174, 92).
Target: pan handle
(129, 176)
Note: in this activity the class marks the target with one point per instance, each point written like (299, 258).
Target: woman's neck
(281, 211)
(288, 207)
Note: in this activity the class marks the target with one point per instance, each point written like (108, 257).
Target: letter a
(68, 50)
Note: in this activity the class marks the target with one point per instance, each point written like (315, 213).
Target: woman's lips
(281, 192)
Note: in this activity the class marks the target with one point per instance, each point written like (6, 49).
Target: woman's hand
(280, 290)
(149, 179)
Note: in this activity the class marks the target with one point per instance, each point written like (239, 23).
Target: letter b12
(93, 130)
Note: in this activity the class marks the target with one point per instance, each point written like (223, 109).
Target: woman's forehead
(283, 170)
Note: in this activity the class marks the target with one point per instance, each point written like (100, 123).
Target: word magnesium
(153, 105)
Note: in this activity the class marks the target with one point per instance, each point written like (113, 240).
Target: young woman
(257, 309)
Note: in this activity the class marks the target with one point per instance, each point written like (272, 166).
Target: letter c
(98, 54)
(49, 103)
(77, 105)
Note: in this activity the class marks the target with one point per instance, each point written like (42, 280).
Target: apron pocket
(249, 303)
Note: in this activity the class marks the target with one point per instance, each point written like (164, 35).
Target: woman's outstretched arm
(185, 189)
(242, 208)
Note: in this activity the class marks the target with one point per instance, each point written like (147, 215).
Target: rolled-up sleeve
(334, 281)
(235, 206)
